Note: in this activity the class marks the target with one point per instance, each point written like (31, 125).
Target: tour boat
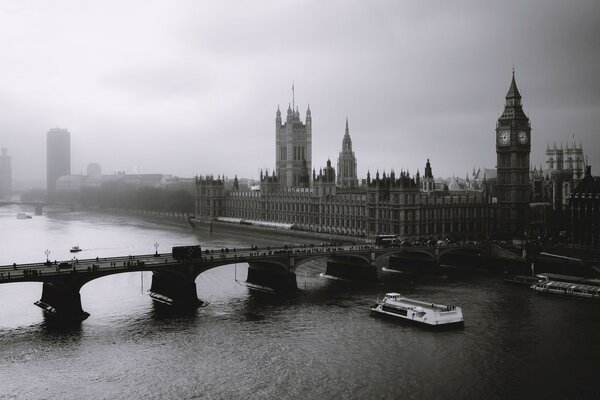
(430, 314)
(525, 280)
(75, 249)
(568, 286)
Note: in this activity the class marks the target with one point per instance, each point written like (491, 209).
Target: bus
(385, 240)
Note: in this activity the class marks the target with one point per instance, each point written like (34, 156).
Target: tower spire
(293, 97)
(513, 92)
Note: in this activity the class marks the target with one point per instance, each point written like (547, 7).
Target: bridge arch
(465, 256)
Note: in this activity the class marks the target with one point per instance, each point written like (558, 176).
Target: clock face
(503, 137)
(522, 137)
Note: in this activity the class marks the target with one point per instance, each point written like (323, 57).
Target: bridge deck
(35, 272)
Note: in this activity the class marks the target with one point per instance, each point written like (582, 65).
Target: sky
(191, 87)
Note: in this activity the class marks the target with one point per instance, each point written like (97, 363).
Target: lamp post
(156, 247)
(47, 253)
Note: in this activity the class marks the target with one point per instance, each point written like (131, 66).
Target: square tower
(513, 145)
(293, 148)
(58, 156)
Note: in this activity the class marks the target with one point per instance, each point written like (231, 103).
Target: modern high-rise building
(293, 148)
(346, 177)
(58, 156)
(5, 173)
(513, 145)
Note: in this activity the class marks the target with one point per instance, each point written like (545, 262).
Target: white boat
(431, 314)
(75, 249)
(23, 216)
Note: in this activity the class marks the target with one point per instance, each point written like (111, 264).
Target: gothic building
(513, 145)
(569, 158)
(410, 207)
(584, 207)
(346, 177)
(387, 204)
(565, 169)
(428, 182)
(293, 148)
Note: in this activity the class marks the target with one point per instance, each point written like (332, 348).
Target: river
(322, 343)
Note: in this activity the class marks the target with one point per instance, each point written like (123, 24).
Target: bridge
(173, 279)
(37, 205)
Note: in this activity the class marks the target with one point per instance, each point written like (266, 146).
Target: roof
(513, 92)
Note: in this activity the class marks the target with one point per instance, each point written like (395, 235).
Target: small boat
(23, 216)
(430, 314)
(75, 249)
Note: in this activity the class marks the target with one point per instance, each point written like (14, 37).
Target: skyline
(192, 89)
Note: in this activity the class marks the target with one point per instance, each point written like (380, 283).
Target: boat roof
(560, 277)
(393, 294)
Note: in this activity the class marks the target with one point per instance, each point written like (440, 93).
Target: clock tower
(513, 145)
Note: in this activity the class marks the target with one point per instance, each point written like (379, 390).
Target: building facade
(293, 148)
(58, 156)
(5, 173)
(568, 158)
(387, 204)
(346, 166)
(584, 206)
(513, 145)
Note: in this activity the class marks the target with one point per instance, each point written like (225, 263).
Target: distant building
(94, 169)
(75, 183)
(293, 148)
(5, 173)
(565, 168)
(346, 177)
(568, 158)
(58, 156)
(584, 205)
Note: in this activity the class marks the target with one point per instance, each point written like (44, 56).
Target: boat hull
(459, 323)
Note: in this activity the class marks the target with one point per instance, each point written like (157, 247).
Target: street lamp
(156, 247)
(47, 253)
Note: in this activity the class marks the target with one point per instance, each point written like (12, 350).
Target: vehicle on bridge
(186, 252)
(386, 240)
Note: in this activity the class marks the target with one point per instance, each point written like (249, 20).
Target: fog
(188, 87)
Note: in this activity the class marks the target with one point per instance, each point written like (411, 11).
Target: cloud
(192, 87)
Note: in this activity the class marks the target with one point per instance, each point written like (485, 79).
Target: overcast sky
(191, 87)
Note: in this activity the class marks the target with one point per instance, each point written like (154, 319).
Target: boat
(23, 216)
(430, 314)
(567, 285)
(75, 249)
(525, 280)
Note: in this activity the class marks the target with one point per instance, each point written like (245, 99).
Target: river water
(320, 344)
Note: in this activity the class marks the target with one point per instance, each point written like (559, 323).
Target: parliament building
(411, 207)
